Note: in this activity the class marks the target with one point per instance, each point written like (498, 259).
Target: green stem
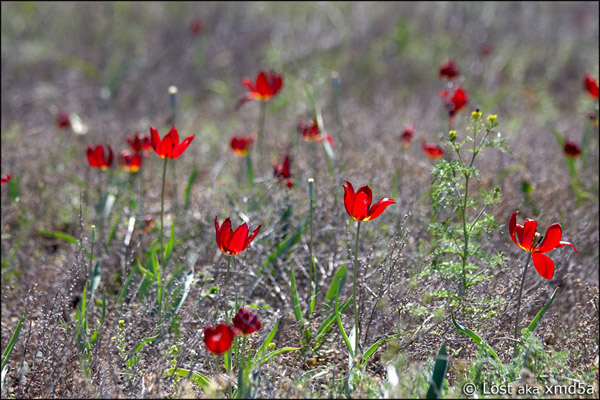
(249, 170)
(162, 206)
(227, 285)
(354, 289)
(261, 128)
(313, 268)
(519, 304)
(466, 237)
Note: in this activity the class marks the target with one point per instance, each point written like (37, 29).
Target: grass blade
(339, 322)
(473, 336)
(286, 244)
(188, 188)
(11, 344)
(274, 353)
(541, 313)
(297, 311)
(439, 374)
(265, 345)
(196, 377)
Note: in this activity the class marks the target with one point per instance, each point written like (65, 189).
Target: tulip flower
(62, 120)
(407, 136)
(196, 27)
(448, 70)
(130, 162)
(572, 149)
(233, 242)
(455, 102)
(246, 322)
(432, 150)
(312, 133)
(218, 339)
(268, 84)
(5, 179)
(591, 85)
(282, 172)
(169, 146)
(96, 157)
(140, 143)
(241, 144)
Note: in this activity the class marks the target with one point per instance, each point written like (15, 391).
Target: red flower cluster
(432, 150)
(312, 133)
(407, 136)
(448, 70)
(130, 162)
(6, 178)
(529, 240)
(591, 85)
(96, 157)
(268, 84)
(358, 205)
(455, 102)
(140, 143)
(282, 172)
(230, 242)
(220, 338)
(241, 144)
(572, 149)
(246, 322)
(169, 147)
(196, 27)
(62, 120)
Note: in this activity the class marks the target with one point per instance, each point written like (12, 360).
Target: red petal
(167, 147)
(362, 201)
(262, 85)
(250, 238)
(512, 227)
(246, 82)
(348, 197)
(225, 236)
(236, 244)
(562, 244)
(110, 157)
(543, 265)
(378, 207)
(528, 232)
(174, 135)
(182, 146)
(551, 239)
(217, 236)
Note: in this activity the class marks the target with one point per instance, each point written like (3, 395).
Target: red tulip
(130, 162)
(96, 157)
(312, 133)
(196, 27)
(62, 120)
(140, 143)
(591, 85)
(230, 242)
(407, 136)
(572, 149)
(455, 102)
(6, 178)
(268, 84)
(169, 147)
(218, 339)
(246, 322)
(241, 144)
(148, 223)
(358, 204)
(448, 70)
(282, 172)
(432, 150)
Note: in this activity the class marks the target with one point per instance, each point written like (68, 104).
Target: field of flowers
(300, 200)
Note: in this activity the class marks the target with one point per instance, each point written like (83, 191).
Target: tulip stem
(162, 206)
(313, 269)
(227, 285)
(354, 290)
(466, 237)
(261, 128)
(519, 304)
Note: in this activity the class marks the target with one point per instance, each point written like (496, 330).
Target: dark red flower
(572, 149)
(96, 157)
(241, 144)
(448, 70)
(407, 136)
(218, 339)
(246, 322)
(130, 162)
(6, 178)
(455, 102)
(62, 120)
(591, 85)
(282, 172)
(432, 150)
(148, 222)
(529, 240)
(268, 84)
(196, 27)
(140, 143)
(230, 242)
(169, 147)
(358, 205)
(312, 133)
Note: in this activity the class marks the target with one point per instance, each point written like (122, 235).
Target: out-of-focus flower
(268, 84)
(455, 102)
(529, 240)
(406, 136)
(358, 205)
(486, 49)
(130, 162)
(232, 243)
(312, 133)
(282, 172)
(140, 143)
(148, 223)
(246, 322)
(593, 117)
(62, 120)
(196, 27)
(591, 85)
(448, 70)
(96, 157)
(241, 144)
(572, 149)
(432, 150)
(6, 178)
(218, 339)
(169, 147)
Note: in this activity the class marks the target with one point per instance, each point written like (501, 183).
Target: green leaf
(108, 205)
(541, 313)
(274, 353)
(286, 244)
(169, 249)
(8, 351)
(559, 138)
(337, 285)
(265, 345)
(297, 311)
(339, 322)
(95, 281)
(196, 377)
(188, 188)
(439, 374)
(125, 288)
(59, 235)
(144, 270)
(327, 325)
(182, 292)
(373, 348)
(473, 336)
(144, 342)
